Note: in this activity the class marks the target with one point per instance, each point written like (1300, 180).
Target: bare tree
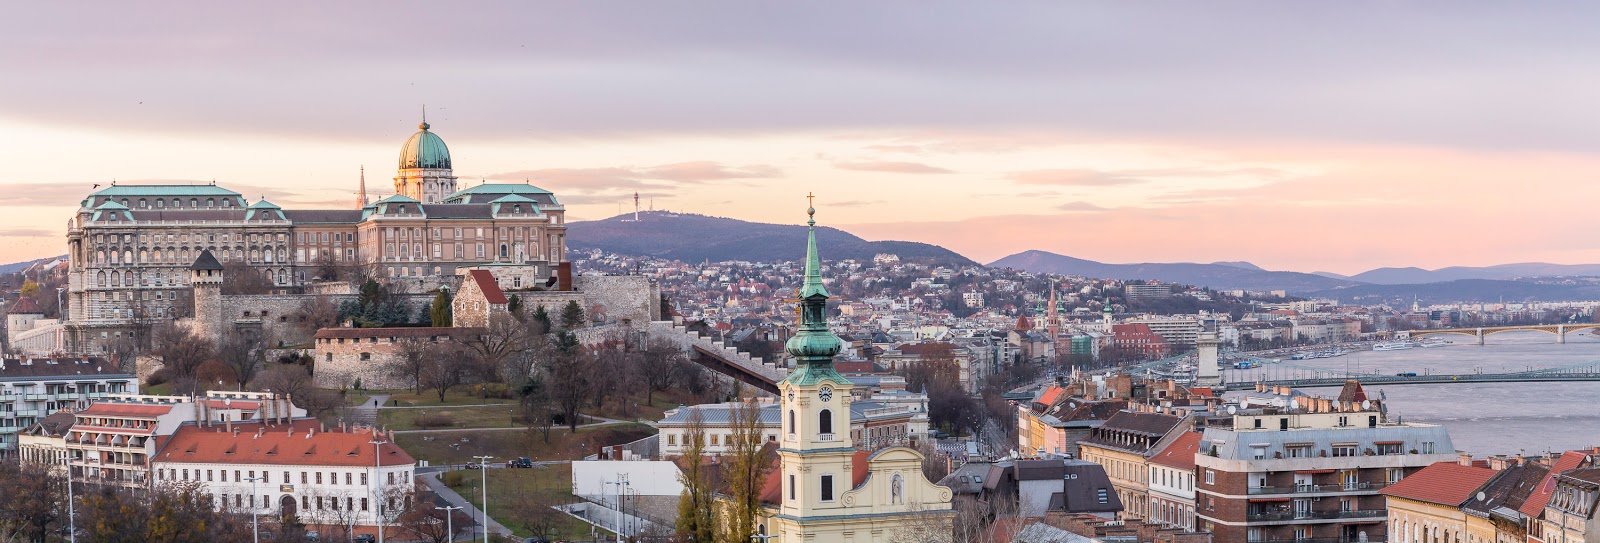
(315, 313)
(747, 468)
(570, 380)
(656, 362)
(245, 355)
(34, 502)
(296, 381)
(500, 342)
(413, 358)
(242, 278)
(696, 503)
(180, 350)
(439, 373)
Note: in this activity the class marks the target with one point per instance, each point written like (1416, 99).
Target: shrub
(451, 478)
(435, 420)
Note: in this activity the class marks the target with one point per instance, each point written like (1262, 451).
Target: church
(825, 490)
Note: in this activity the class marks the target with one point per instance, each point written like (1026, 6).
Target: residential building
(1034, 488)
(1124, 445)
(1172, 482)
(1569, 516)
(1285, 466)
(1056, 420)
(1138, 340)
(324, 477)
(1180, 331)
(1426, 506)
(33, 388)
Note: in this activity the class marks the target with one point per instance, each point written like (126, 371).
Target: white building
(330, 477)
(33, 388)
(873, 424)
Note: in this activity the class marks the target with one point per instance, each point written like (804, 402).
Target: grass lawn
(499, 416)
(517, 495)
(441, 448)
(460, 395)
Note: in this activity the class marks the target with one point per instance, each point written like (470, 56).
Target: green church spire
(814, 346)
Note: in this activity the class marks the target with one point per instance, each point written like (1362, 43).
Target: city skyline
(1298, 137)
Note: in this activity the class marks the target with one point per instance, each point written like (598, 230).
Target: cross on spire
(811, 209)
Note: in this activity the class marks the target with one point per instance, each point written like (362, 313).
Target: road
(448, 494)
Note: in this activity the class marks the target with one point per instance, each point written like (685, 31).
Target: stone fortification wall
(631, 298)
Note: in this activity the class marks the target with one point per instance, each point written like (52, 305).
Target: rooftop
(1443, 483)
(305, 442)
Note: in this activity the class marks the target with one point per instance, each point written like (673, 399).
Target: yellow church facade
(825, 489)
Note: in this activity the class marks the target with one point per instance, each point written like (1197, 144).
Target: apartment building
(1286, 466)
(33, 388)
(1124, 445)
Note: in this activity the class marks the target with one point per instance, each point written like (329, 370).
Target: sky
(1308, 136)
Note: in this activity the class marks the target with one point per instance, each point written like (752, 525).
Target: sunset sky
(1335, 136)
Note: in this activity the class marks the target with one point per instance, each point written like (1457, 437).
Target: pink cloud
(891, 167)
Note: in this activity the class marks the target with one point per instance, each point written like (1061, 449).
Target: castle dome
(424, 150)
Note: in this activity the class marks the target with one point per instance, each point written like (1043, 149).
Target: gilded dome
(424, 150)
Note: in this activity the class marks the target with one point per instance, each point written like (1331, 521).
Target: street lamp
(255, 522)
(72, 517)
(377, 495)
(483, 468)
(449, 520)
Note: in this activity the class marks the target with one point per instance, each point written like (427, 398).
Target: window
(1297, 451)
(1102, 495)
(365, 356)
(1393, 475)
(672, 440)
(1344, 449)
(827, 488)
(1390, 448)
(1211, 477)
(791, 421)
(791, 486)
(825, 422)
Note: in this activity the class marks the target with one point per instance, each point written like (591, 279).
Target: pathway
(367, 413)
(450, 495)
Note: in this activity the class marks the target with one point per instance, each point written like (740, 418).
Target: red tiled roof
(26, 305)
(287, 445)
(1444, 483)
(772, 487)
(1051, 395)
(1534, 505)
(1180, 453)
(110, 409)
(490, 287)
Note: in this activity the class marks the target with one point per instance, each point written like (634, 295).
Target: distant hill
(694, 238)
(1220, 275)
(19, 266)
(1412, 275)
(1466, 290)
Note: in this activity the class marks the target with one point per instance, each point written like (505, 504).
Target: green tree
(514, 306)
(541, 320)
(695, 520)
(440, 312)
(571, 315)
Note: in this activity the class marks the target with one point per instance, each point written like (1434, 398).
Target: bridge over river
(1312, 378)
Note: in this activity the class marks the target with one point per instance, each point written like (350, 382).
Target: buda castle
(131, 247)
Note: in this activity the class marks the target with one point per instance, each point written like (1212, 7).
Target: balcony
(1272, 516)
(1363, 486)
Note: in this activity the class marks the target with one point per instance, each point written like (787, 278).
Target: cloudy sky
(1334, 136)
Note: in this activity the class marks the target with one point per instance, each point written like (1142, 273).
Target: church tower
(827, 490)
(816, 446)
(425, 173)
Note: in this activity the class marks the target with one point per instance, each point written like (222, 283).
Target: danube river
(1483, 418)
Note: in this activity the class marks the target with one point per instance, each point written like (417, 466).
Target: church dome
(424, 150)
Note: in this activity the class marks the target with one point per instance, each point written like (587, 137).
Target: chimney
(260, 430)
(1498, 462)
(227, 423)
(1464, 458)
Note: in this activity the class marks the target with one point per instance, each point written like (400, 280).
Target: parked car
(365, 538)
(523, 462)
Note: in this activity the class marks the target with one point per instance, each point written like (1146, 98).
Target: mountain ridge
(692, 237)
(1218, 275)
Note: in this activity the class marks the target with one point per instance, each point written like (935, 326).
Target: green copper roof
(164, 190)
(814, 346)
(424, 150)
(500, 188)
(264, 204)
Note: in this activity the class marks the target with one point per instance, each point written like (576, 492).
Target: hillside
(1220, 275)
(695, 238)
(1412, 275)
(1465, 290)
